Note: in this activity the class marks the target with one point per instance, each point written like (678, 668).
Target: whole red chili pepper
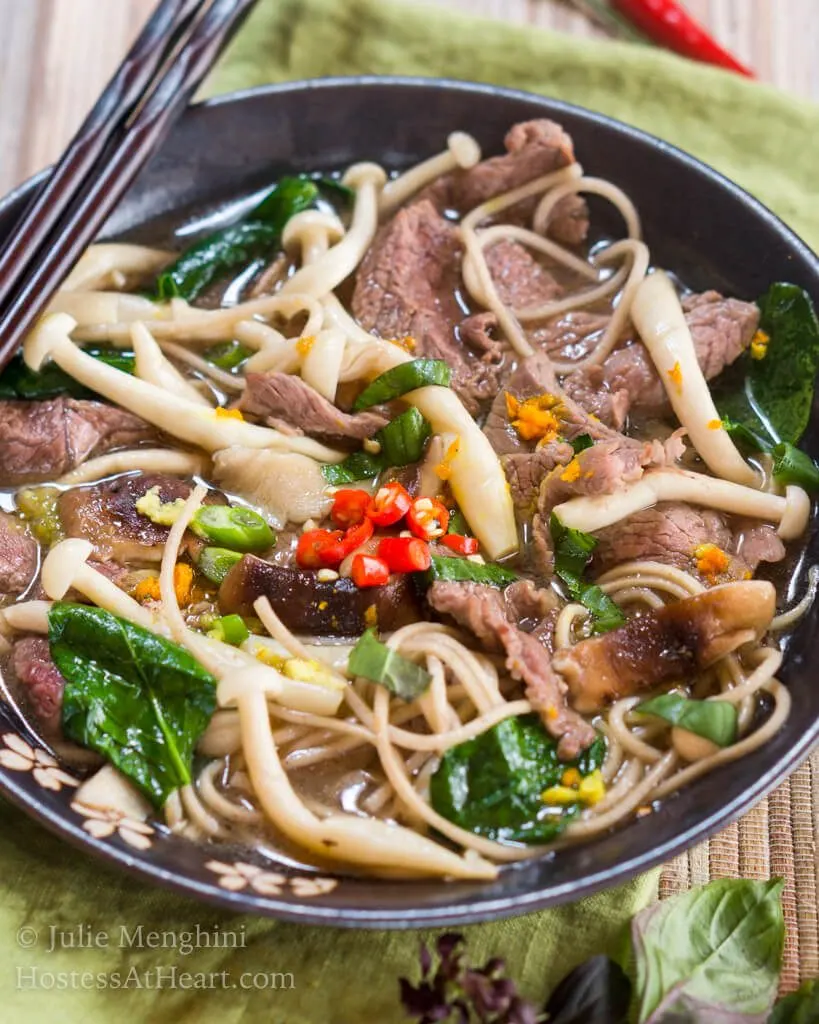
(667, 23)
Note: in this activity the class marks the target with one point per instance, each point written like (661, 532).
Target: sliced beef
(665, 645)
(722, 329)
(484, 612)
(43, 683)
(535, 376)
(42, 440)
(308, 606)
(605, 468)
(519, 279)
(105, 514)
(592, 392)
(571, 336)
(18, 556)
(533, 148)
(284, 398)
(406, 287)
(628, 382)
(477, 331)
(525, 471)
(527, 605)
(756, 542)
(668, 533)
(569, 222)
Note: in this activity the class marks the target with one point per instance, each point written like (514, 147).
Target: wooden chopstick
(123, 135)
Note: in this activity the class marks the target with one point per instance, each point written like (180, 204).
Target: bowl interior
(696, 224)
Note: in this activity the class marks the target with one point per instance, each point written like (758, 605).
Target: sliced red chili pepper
(459, 544)
(350, 506)
(405, 554)
(428, 518)
(668, 23)
(391, 503)
(315, 549)
(327, 549)
(369, 571)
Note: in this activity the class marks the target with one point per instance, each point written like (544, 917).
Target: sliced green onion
(400, 379)
(744, 436)
(373, 660)
(793, 466)
(230, 629)
(216, 563)
(714, 720)
(237, 529)
(461, 570)
(402, 441)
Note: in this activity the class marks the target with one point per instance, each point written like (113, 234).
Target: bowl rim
(502, 906)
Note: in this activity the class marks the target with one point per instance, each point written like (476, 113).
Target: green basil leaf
(398, 380)
(256, 236)
(581, 443)
(573, 551)
(227, 355)
(492, 785)
(792, 466)
(714, 720)
(774, 395)
(402, 442)
(711, 953)
(19, 382)
(373, 660)
(461, 570)
(457, 523)
(358, 466)
(597, 991)
(801, 1007)
(134, 697)
(404, 439)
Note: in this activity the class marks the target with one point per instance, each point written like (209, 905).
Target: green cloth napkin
(757, 136)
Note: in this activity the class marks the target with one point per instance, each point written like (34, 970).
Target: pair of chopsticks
(149, 90)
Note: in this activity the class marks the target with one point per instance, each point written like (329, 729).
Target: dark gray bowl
(697, 223)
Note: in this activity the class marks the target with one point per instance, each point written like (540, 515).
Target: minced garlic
(305, 671)
(304, 345)
(228, 414)
(759, 345)
(571, 472)
(675, 375)
(711, 561)
(444, 467)
(536, 418)
(163, 513)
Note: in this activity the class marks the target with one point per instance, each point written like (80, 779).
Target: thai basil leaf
(373, 660)
(257, 235)
(710, 954)
(402, 441)
(595, 992)
(573, 551)
(398, 380)
(801, 1007)
(715, 720)
(137, 699)
(492, 785)
(793, 466)
(581, 443)
(461, 570)
(775, 395)
(457, 523)
(227, 355)
(19, 382)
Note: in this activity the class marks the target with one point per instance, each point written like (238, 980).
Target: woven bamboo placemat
(778, 837)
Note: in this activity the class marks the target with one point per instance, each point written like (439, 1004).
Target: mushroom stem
(327, 273)
(462, 152)
(152, 366)
(590, 514)
(660, 321)
(207, 428)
